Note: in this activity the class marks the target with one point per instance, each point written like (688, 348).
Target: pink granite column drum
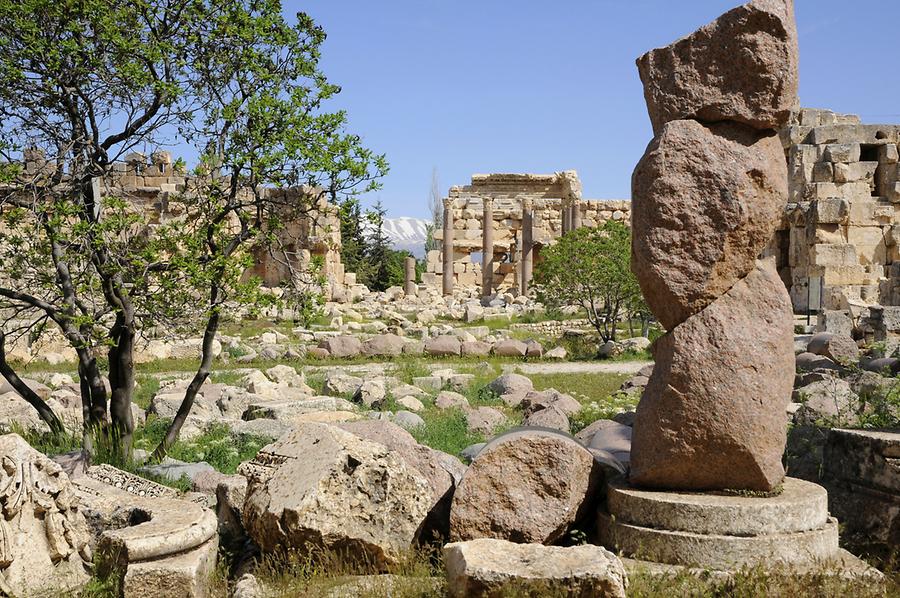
(706, 200)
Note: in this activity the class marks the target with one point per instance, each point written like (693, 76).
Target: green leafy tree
(354, 241)
(590, 267)
(85, 82)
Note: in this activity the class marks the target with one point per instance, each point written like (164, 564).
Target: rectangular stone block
(842, 152)
(846, 275)
(823, 172)
(888, 154)
(833, 255)
(855, 171)
(865, 235)
(862, 211)
(830, 210)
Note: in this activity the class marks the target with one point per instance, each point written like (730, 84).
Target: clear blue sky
(525, 86)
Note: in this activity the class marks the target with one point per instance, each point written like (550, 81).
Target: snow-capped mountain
(407, 233)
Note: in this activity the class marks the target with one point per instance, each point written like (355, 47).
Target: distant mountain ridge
(407, 233)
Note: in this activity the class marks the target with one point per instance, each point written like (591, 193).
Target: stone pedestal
(723, 532)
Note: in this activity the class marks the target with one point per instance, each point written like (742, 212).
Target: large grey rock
(526, 486)
(322, 487)
(712, 416)
(338, 384)
(706, 201)
(44, 538)
(484, 420)
(491, 567)
(510, 348)
(385, 345)
(836, 347)
(535, 401)
(551, 417)
(440, 470)
(510, 384)
(443, 346)
(342, 346)
(829, 402)
(742, 67)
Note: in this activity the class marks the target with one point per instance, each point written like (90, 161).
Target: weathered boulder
(718, 390)
(443, 346)
(44, 538)
(338, 384)
(551, 417)
(475, 349)
(836, 347)
(742, 67)
(285, 374)
(491, 567)
(447, 399)
(706, 200)
(829, 402)
(526, 486)
(411, 403)
(408, 420)
(484, 420)
(371, 393)
(323, 487)
(535, 401)
(510, 384)
(440, 470)
(534, 349)
(808, 362)
(510, 348)
(385, 345)
(342, 346)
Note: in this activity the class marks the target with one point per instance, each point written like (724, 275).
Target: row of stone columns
(571, 216)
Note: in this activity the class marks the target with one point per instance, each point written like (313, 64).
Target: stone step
(718, 551)
(801, 506)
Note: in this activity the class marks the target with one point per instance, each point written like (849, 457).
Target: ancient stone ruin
(149, 185)
(838, 243)
(527, 212)
(712, 416)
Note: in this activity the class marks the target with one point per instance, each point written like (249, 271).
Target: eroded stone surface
(43, 534)
(323, 487)
(526, 487)
(490, 567)
(742, 67)
(706, 202)
(712, 415)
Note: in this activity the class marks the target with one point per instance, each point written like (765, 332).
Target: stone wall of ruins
(549, 194)
(148, 184)
(838, 241)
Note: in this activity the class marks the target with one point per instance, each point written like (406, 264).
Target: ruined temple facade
(838, 244)
(527, 212)
(148, 185)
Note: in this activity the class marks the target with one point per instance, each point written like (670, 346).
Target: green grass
(445, 430)
(147, 387)
(597, 393)
(217, 446)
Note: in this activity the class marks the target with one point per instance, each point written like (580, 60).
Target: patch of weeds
(147, 387)
(215, 445)
(47, 442)
(418, 573)
(446, 430)
(769, 580)
(227, 377)
(616, 403)
(406, 370)
(585, 387)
